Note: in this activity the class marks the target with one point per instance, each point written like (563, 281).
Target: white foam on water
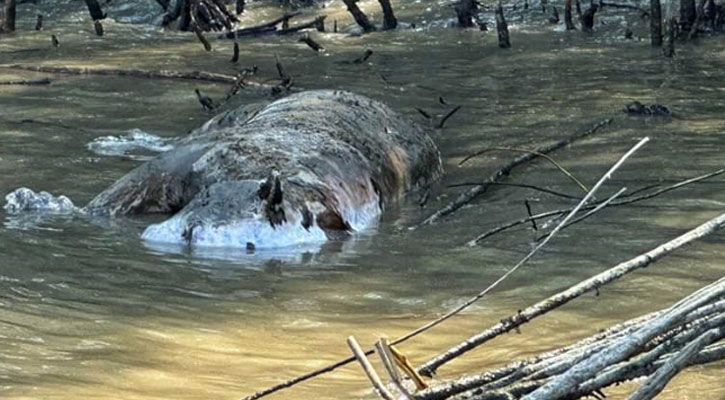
(236, 234)
(26, 200)
(135, 139)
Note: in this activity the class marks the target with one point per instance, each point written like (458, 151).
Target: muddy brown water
(89, 311)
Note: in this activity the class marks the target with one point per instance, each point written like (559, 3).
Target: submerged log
(265, 28)
(140, 73)
(311, 43)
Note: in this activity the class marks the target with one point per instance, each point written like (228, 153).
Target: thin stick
(447, 116)
(468, 196)
(548, 158)
(521, 185)
(528, 211)
(432, 365)
(368, 368)
(386, 357)
(590, 213)
(629, 200)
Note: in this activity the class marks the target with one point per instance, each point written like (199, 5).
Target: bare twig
(447, 116)
(598, 207)
(468, 196)
(628, 200)
(430, 367)
(548, 158)
(368, 368)
(521, 185)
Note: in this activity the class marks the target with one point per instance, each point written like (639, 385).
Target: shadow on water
(88, 310)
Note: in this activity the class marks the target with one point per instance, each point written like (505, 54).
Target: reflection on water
(89, 311)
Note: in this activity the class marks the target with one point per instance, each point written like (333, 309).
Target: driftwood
(504, 171)
(509, 323)
(656, 345)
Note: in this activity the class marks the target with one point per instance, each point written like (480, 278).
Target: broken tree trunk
(567, 17)
(587, 18)
(8, 21)
(655, 23)
(359, 16)
(465, 11)
(502, 29)
(669, 48)
(389, 20)
(688, 14)
(95, 10)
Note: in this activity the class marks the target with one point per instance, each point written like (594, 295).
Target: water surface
(87, 310)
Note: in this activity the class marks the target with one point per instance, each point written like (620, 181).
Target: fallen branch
(522, 377)
(43, 81)
(625, 347)
(468, 196)
(265, 28)
(591, 212)
(430, 367)
(368, 368)
(137, 73)
(545, 156)
(629, 200)
(456, 310)
(521, 185)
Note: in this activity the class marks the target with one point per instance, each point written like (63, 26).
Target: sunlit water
(87, 310)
